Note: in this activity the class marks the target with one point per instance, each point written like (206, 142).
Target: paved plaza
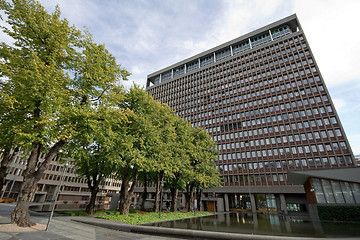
(62, 228)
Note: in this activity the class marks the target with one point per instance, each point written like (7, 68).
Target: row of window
(301, 126)
(309, 102)
(330, 191)
(293, 150)
(241, 93)
(286, 164)
(220, 79)
(239, 101)
(270, 120)
(255, 179)
(306, 136)
(287, 45)
(237, 87)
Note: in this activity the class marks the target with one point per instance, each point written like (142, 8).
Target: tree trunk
(158, 191)
(144, 195)
(21, 215)
(189, 197)
(8, 157)
(31, 177)
(198, 198)
(125, 192)
(94, 189)
(174, 196)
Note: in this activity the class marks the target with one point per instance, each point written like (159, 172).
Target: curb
(179, 232)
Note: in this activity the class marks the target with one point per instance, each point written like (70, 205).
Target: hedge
(339, 213)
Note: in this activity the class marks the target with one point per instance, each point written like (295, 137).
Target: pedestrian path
(63, 228)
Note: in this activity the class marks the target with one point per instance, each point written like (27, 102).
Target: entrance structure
(263, 100)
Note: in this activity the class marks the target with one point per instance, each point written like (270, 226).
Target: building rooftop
(241, 44)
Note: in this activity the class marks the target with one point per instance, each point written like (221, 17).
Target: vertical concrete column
(283, 207)
(253, 203)
(135, 200)
(114, 202)
(313, 212)
(183, 199)
(256, 222)
(226, 200)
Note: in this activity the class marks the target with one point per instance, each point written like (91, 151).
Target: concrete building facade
(263, 100)
(59, 183)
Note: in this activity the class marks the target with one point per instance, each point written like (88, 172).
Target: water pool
(264, 224)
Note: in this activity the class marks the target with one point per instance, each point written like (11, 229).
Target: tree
(47, 78)
(94, 150)
(145, 143)
(181, 158)
(202, 173)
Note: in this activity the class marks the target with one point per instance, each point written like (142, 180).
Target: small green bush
(339, 213)
(150, 217)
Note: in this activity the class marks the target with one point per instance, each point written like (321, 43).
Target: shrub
(339, 213)
(2, 200)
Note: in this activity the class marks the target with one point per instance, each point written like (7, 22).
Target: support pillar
(183, 199)
(226, 200)
(283, 207)
(253, 203)
(135, 200)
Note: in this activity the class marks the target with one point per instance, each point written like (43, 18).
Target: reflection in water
(264, 224)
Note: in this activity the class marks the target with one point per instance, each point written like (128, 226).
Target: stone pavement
(62, 228)
(90, 228)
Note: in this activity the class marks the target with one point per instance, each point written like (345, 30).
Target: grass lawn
(136, 217)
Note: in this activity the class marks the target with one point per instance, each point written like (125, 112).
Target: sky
(148, 35)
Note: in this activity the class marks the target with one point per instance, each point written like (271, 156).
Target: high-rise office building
(263, 100)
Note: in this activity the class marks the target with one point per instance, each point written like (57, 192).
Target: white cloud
(330, 27)
(135, 70)
(339, 103)
(355, 143)
(146, 36)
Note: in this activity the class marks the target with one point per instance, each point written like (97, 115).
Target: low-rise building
(59, 182)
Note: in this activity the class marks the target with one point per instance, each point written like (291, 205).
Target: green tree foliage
(94, 150)
(202, 173)
(58, 88)
(147, 134)
(48, 76)
(186, 160)
(181, 158)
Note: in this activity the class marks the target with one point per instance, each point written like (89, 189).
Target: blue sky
(146, 36)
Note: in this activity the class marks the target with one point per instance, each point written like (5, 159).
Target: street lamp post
(57, 195)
